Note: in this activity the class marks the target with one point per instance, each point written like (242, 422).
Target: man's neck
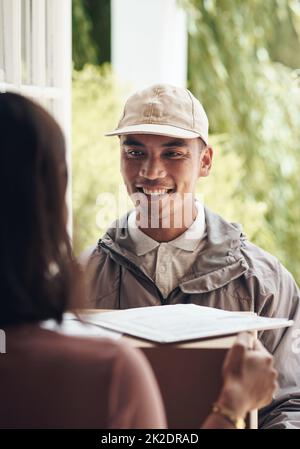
(166, 234)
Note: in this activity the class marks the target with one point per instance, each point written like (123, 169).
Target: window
(35, 56)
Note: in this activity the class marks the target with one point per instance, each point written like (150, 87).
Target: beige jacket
(230, 273)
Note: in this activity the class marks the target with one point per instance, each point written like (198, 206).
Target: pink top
(49, 380)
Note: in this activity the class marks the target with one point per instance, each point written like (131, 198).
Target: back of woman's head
(35, 260)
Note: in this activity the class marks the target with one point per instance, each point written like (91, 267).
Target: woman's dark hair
(36, 264)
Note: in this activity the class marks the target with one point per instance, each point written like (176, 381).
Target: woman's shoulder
(43, 342)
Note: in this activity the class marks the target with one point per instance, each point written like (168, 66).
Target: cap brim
(162, 130)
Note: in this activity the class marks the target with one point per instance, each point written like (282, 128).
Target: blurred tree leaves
(91, 32)
(96, 108)
(234, 51)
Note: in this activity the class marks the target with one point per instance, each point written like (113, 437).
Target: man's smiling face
(160, 167)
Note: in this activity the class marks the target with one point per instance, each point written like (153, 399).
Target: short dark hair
(202, 145)
(36, 263)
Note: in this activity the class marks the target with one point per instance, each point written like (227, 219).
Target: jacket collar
(188, 241)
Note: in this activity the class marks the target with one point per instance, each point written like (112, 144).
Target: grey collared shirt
(166, 263)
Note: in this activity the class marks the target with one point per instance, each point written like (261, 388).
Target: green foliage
(99, 13)
(84, 49)
(255, 102)
(221, 193)
(284, 44)
(91, 32)
(96, 109)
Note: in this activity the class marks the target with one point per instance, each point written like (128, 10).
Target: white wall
(36, 60)
(149, 42)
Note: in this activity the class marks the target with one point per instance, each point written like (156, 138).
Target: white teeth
(155, 192)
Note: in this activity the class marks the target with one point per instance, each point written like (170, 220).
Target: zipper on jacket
(136, 270)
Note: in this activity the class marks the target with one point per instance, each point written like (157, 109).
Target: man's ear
(206, 161)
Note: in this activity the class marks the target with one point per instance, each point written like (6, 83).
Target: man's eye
(173, 154)
(134, 153)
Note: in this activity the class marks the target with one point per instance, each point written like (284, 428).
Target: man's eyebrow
(133, 142)
(175, 143)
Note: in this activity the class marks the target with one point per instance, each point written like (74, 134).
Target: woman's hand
(249, 377)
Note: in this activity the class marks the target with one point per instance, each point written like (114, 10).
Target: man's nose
(152, 169)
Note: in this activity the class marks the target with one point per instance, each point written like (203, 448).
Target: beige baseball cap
(164, 110)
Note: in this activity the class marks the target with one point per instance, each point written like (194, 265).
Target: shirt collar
(188, 241)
